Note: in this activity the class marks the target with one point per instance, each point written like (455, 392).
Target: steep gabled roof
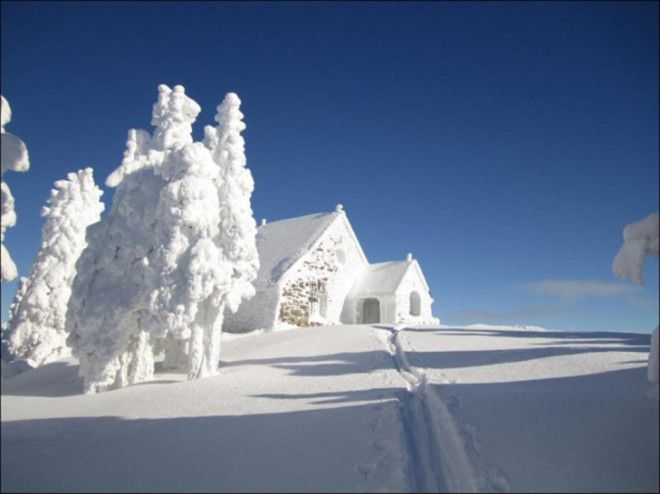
(384, 278)
(380, 279)
(281, 243)
(414, 265)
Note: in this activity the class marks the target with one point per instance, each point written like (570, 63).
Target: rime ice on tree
(15, 158)
(37, 325)
(640, 240)
(208, 259)
(177, 248)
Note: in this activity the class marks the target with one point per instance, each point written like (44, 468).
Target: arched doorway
(371, 311)
(415, 304)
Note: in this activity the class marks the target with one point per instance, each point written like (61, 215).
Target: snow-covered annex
(314, 272)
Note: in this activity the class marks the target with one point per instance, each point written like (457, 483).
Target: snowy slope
(351, 408)
(546, 410)
(264, 424)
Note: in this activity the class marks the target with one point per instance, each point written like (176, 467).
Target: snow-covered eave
(371, 292)
(414, 265)
(292, 269)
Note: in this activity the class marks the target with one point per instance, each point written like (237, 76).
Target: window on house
(415, 304)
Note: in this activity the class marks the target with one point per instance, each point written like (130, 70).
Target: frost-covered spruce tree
(109, 291)
(237, 225)
(208, 258)
(177, 248)
(14, 157)
(37, 327)
(108, 311)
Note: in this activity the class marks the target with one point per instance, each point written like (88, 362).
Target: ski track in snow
(438, 460)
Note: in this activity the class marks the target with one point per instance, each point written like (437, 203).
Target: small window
(314, 309)
(415, 304)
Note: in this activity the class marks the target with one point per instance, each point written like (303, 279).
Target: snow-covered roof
(380, 278)
(282, 243)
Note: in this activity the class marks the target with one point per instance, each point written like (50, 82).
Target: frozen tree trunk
(652, 370)
(205, 342)
(137, 362)
(175, 351)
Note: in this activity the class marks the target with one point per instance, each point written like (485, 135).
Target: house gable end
(414, 269)
(314, 288)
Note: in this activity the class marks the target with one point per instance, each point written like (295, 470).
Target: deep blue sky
(504, 144)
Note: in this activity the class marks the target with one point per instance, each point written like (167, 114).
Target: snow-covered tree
(14, 157)
(37, 326)
(208, 258)
(112, 280)
(640, 240)
(238, 228)
(177, 248)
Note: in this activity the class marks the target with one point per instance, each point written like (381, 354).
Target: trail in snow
(439, 462)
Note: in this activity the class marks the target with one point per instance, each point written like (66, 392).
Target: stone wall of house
(311, 280)
(327, 271)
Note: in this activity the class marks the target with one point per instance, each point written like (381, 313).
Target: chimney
(263, 221)
(408, 257)
(339, 208)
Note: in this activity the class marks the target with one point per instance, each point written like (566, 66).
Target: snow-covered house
(313, 271)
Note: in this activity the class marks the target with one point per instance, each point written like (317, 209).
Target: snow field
(546, 411)
(298, 410)
(352, 408)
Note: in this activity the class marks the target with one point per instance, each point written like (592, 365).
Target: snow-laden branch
(640, 240)
(14, 157)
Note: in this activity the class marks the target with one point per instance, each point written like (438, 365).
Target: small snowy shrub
(15, 158)
(37, 325)
(179, 246)
(640, 240)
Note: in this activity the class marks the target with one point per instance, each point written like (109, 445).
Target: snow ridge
(438, 458)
